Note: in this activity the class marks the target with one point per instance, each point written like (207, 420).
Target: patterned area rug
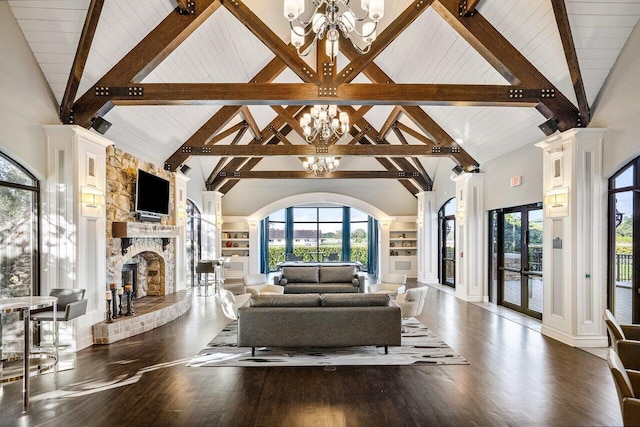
(420, 346)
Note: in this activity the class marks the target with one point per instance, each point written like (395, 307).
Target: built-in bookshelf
(234, 244)
(403, 248)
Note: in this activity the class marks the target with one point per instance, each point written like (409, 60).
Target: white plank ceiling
(429, 51)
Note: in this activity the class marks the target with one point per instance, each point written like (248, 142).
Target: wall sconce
(556, 202)
(385, 222)
(461, 215)
(219, 221)
(252, 222)
(182, 215)
(92, 200)
(419, 221)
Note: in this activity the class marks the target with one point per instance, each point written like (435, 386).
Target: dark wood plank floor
(515, 377)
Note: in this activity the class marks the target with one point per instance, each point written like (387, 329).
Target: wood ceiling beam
(304, 175)
(414, 133)
(80, 60)
(223, 160)
(377, 75)
(143, 58)
(508, 61)
(415, 160)
(308, 93)
(278, 125)
(285, 52)
(564, 27)
(418, 116)
(386, 127)
(203, 135)
(248, 117)
(305, 150)
(384, 39)
(186, 7)
(468, 7)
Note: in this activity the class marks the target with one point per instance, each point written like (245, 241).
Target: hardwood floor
(515, 377)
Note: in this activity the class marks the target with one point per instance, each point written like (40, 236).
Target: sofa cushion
(337, 274)
(301, 274)
(355, 300)
(300, 300)
(315, 288)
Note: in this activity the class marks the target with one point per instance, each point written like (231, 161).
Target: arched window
(447, 246)
(323, 232)
(19, 241)
(193, 241)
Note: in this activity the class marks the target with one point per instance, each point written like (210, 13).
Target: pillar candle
(108, 295)
(127, 288)
(112, 286)
(120, 291)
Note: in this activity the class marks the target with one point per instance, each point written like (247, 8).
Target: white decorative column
(385, 228)
(427, 223)
(73, 221)
(470, 240)
(254, 245)
(180, 204)
(575, 241)
(211, 222)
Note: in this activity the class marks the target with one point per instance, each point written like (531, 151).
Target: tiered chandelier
(320, 165)
(333, 21)
(324, 122)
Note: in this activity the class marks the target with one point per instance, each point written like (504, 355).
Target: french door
(519, 258)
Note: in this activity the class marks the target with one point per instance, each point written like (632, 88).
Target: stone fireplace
(146, 274)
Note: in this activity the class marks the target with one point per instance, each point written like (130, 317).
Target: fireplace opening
(130, 277)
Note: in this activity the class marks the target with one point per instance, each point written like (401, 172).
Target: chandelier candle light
(337, 18)
(320, 165)
(324, 121)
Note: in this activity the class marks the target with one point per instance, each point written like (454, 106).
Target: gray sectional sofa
(320, 279)
(314, 320)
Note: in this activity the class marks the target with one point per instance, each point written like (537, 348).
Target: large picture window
(193, 243)
(318, 233)
(19, 243)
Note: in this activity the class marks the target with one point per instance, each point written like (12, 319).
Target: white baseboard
(472, 298)
(575, 341)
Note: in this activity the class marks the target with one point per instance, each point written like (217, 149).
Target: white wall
(617, 108)
(443, 185)
(26, 102)
(525, 162)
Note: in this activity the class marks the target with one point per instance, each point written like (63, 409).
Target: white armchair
(392, 284)
(230, 303)
(256, 284)
(411, 302)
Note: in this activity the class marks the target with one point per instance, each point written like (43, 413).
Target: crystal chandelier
(332, 22)
(320, 165)
(325, 122)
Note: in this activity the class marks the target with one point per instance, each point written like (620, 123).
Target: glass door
(519, 259)
(624, 283)
(447, 249)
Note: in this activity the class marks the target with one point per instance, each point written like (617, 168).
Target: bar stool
(206, 267)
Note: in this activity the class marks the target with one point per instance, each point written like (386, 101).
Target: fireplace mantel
(127, 231)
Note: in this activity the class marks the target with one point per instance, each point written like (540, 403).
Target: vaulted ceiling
(215, 83)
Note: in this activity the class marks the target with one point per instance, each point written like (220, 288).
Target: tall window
(447, 246)
(624, 224)
(19, 243)
(193, 242)
(318, 233)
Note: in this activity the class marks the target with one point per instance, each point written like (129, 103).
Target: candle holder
(129, 303)
(109, 319)
(120, 305)
(115, 302)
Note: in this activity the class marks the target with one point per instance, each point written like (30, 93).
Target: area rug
(419, 346)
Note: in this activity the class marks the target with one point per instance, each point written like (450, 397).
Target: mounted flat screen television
(152, 194)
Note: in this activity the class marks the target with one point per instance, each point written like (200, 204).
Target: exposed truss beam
(186, 7)
(386, 127)
(223, 160)
(468, 7)
(248, 117)
(562, 20)
(415, 160)
(308, 93)
(80, 60)
(220, 118)
(286, 53)
(377, 75)
(143, 58)
(304, 175)
(508, 61)
(384, 39)
(417, 135)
